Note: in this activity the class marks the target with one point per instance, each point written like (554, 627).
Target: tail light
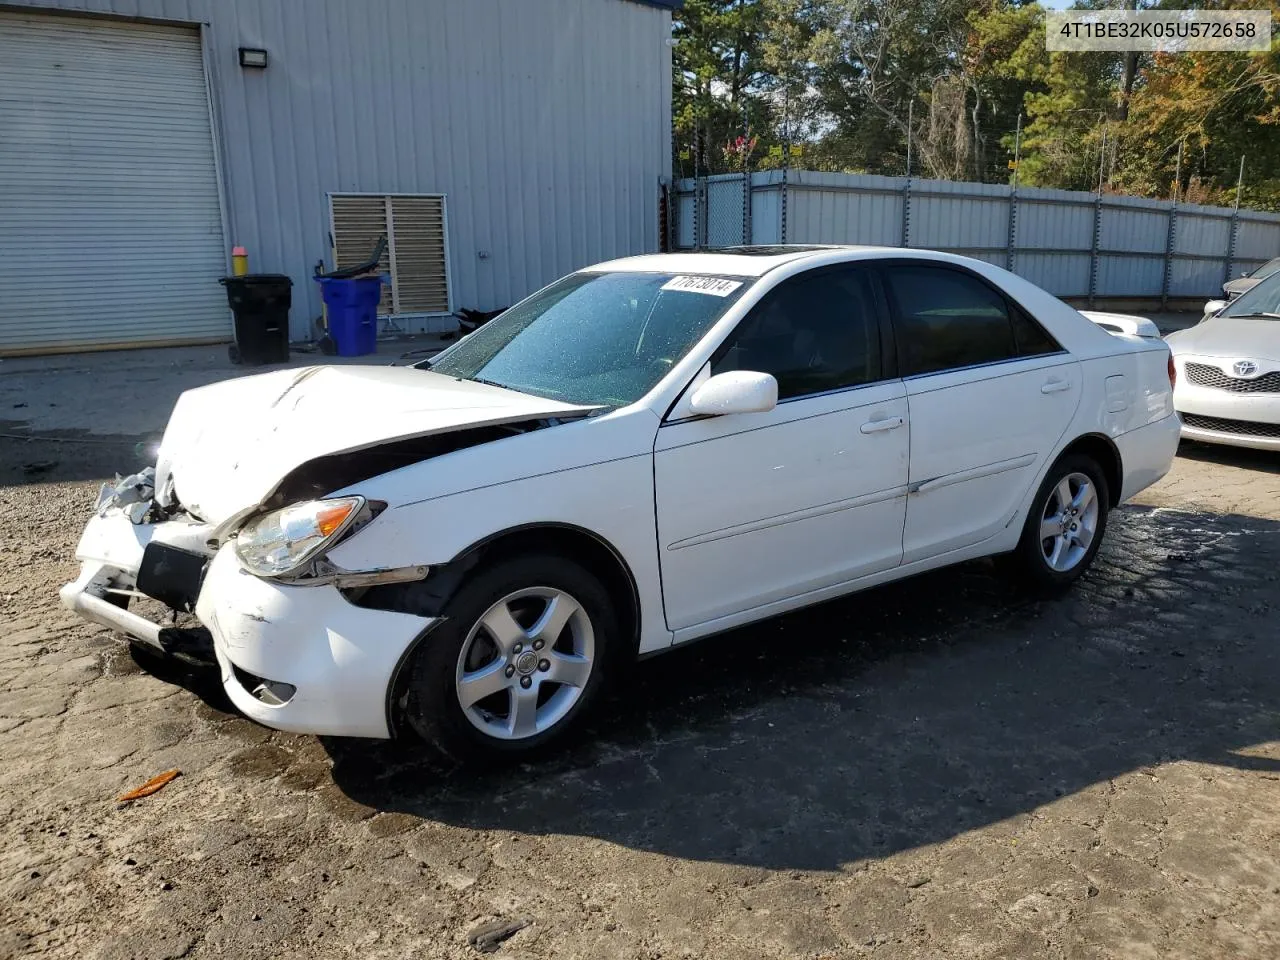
(1173, 373)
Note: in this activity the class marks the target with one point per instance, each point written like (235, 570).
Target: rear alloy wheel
(521, 652)
(1065, 526)
(1069, 522)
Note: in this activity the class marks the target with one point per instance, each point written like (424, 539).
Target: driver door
(753, 509)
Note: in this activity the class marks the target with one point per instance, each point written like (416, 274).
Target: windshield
(1267, 269)
(1260, 300)
(597, 339)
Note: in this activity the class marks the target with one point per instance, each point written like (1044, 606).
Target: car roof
(744, 261)
(1076, 333)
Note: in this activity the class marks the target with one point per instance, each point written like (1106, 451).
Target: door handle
(1056, 386)
(879, 426)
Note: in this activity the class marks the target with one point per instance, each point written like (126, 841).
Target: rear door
(990, 394)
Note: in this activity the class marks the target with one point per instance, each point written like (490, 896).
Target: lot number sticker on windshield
(715, 286)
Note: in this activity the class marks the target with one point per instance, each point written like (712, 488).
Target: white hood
(1255, 338)
(228, 445)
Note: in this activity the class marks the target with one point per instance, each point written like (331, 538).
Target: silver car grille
(1207, 376)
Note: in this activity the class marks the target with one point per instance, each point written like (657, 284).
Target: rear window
(947, 319)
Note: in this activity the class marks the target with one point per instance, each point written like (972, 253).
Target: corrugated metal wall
(1074, 245)
(545, 122)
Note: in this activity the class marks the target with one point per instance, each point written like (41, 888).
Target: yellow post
(239, 261)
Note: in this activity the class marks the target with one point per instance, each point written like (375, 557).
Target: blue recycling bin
(353, 313)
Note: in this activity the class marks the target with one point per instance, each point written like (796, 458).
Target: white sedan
(643, 453)
(1229, 371)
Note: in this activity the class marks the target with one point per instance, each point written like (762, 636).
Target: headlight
(282, 541)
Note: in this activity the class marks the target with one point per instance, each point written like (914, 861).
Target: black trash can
(260, 302)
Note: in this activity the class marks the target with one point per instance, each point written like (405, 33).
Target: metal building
(498, 143)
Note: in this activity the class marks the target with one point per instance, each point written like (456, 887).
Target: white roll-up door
(110, 226)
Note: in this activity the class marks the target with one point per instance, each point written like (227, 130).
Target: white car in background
(1246, 282)
(1229, 371)
(643, 453)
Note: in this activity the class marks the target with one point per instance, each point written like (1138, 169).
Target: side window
(1031, 339)
(812, 333)
(947, 319)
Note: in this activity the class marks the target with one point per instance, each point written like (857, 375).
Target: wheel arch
(592, 551)
(1103, 451)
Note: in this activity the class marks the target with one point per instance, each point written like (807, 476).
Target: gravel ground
(938, 768)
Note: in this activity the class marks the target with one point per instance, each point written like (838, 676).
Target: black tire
(328, 346)
(1028, 561)
(431, 703)
(233, 353)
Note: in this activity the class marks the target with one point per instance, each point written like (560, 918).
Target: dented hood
(228, 446)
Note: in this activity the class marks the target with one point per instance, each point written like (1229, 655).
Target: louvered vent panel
(415, 257)
(358, 223)
(422, 284)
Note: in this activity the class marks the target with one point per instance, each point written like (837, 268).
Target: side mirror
(1214, 306)
(738, 391)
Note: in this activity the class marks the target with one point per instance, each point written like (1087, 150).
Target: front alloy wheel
(525, 663)
(519, 654)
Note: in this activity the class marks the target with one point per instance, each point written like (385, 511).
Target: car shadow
(201, 679)
(1266, 461)
(901, 716)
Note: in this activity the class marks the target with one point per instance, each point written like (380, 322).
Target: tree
(853, 82)
(717, 71)
(1220, 106)
(1062, 142)
(862, 72)
(1004, 60)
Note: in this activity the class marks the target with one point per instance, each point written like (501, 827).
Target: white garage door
(110, 231)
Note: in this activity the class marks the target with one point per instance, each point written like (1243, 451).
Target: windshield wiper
(1260, 314)
(487, 383)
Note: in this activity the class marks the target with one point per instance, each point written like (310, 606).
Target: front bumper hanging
(123, 555)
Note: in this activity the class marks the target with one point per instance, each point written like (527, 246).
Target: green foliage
(717, 83)
(850, 82)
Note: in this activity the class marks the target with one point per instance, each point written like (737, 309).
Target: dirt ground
(940, 768)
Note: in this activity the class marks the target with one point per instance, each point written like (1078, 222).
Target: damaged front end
(256, 481)
(143, 543)
(136, 548)
(133, 549)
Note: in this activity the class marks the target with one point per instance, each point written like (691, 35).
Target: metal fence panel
(844, 208)
(1130, 228)
(1196, 278)
(1053, 225)
(766, 210)
(1121, 276)
(960, 224)
(686, 219)
(1062, 274)
(966, 218)
(826, 216)
(1197, 233)
(1071, 244)
(1257, 241)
